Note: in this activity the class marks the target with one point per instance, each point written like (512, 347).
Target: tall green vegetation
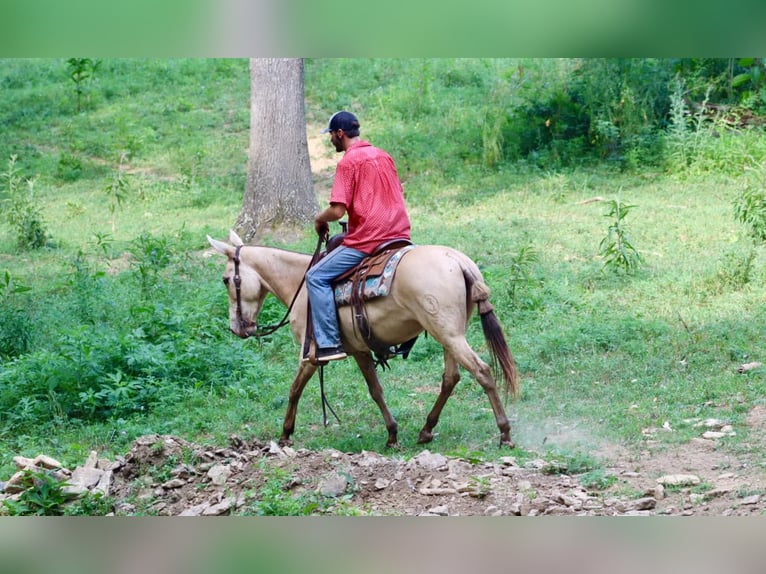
(112, 331)
(21, 209)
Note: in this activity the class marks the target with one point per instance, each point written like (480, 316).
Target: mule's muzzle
(245, 331)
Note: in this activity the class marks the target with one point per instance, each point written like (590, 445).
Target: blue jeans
(318, 282)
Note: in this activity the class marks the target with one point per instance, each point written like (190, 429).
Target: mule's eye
(226, 281)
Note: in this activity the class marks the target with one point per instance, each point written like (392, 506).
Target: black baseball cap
(342, 120)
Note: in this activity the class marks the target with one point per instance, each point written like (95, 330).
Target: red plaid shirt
(366, 182)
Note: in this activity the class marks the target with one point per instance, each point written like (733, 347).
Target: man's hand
(322, 229)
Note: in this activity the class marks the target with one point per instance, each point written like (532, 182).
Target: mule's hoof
(425, 437)
(285, 441)
(507, 443)
(393, 445)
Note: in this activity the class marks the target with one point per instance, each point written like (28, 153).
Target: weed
(43, 495)
(68, 168)
(597, 479)
(23, 212)
(568, 462)
(150, 256)
(90, 504)
(750, 204)
(15, 319)
(735, 271)
(519, 271)
(275, 499)
(616, 247)
(81, 70)
(117, 189)
(481, 486)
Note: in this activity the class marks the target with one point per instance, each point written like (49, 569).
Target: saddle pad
(372, 286)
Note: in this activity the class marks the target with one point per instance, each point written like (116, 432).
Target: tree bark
(279, 191)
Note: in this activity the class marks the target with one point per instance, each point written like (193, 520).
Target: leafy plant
(43, 495)
(597, 479)
(15, 321)
(90, 504)
(519, 271)
(22, 212)
(616, 247)
(750, 204)
(117, 189)
(274, 498)
(569, 462)
(735, 271)
(80, 71)
(150, 256)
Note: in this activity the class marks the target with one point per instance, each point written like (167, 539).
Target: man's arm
(332, 213)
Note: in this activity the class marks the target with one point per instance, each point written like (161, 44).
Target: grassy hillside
(117, 327)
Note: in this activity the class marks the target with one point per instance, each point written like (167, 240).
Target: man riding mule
(436, 289)
(367, 189)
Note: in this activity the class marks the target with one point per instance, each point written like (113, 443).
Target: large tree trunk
(279, 191)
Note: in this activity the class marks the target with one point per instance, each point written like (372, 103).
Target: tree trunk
(279, 191)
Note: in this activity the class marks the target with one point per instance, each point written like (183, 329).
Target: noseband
(244, 324)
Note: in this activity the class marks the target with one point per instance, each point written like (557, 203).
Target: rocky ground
(166, 475)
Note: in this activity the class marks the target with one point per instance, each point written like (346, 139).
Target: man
(367, 188)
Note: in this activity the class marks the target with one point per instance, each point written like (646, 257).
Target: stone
(104, 483)
(219, 474)
(679, 480)
(218, 509)
(86, 476)
(429, 461)
(332, 486)
(442, 510)
(173, 483)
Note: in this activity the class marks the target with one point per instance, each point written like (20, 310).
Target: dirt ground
(166, 475)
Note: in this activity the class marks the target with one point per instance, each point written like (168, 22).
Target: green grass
(125, 325)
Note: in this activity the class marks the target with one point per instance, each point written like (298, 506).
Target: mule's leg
(450, 378)
(296, 390)
(367, 366)
(466, 357)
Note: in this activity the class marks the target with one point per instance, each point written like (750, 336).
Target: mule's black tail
(502, 359)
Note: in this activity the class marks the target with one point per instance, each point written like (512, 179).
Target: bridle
(247, 324)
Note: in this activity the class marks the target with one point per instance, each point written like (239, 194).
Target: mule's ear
(221, 247)
(234, 238)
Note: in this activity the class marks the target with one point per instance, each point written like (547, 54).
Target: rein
(285, 320)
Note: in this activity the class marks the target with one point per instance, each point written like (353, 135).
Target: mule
(436, 290)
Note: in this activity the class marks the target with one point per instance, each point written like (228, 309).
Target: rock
(92, 460)
(711, 424)
(219, 474)
(23, 462)
(442, 510)
(429, 461)
(382, 483)
(218, 509)
(641, 504)
(173, 483)
(754, 499)
(438, 491)
(333, 485)
(679, 480)
(86, 476)
(105, 483)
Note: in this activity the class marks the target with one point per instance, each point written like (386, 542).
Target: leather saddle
(370, 267)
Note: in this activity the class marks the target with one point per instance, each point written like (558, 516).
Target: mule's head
(245, 287)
